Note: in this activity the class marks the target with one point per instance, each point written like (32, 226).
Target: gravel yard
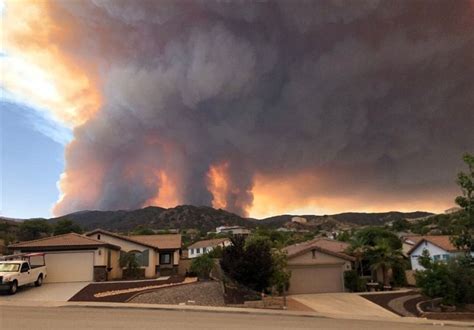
(207, 293)
(88, 293)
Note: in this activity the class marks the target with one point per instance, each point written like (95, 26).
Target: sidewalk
(235, 310)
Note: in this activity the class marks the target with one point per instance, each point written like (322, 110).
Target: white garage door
(316, 279)
(69, 266)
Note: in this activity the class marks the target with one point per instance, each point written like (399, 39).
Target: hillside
(182, 217)
(354, 219)
(207, 219)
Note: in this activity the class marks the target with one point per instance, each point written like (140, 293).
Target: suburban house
(75, 258)
(233, 230)
(318, 266)
(408, 242)
(157, 255)
(439, 247)
(199, 248)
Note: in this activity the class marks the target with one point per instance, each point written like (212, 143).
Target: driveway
(46, 292)
(344, 305)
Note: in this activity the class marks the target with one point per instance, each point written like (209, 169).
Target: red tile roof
(441, 241)
(325, 245)
(67, 241)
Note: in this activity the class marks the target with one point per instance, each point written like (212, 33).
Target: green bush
(202, 266)
(452, 281)
(353, 282)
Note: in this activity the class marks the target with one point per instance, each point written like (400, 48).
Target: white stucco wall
(432, 249)
(193, 253)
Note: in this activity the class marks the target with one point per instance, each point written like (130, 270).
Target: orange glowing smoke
(304, 193)
(217, 184)
(36, 69)
(167, 195)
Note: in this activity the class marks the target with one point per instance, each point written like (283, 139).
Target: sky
(260, 108)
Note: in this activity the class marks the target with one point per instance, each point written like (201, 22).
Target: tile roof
(65, 240)
(166, 241)
(441, 241)
(163, 241)
(208, 243)
(324, 245)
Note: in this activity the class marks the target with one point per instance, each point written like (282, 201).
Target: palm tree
(384, 257)
(357, 249)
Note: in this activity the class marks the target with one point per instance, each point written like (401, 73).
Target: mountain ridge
(207, 219)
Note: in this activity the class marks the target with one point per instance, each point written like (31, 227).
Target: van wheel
(39, 281)
(13, 287)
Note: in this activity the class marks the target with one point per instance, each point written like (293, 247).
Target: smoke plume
(208, 102)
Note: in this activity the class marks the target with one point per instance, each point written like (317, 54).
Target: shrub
(353, 282)
(202, 266)
(129, 261)
(249, 262)
(452, 281)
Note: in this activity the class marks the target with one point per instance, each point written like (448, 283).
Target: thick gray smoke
(374, 97)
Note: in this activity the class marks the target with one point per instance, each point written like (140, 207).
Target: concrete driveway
(343, 305)
(47, 292)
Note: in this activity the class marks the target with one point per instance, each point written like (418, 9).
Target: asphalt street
(16, 317)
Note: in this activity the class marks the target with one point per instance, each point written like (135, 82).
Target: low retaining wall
(435, 315)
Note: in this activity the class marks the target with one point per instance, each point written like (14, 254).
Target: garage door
(316, 279)
(69, 267)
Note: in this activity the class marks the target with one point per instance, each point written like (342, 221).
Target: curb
(268, 312)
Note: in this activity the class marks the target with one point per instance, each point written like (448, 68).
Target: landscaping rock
(207, 293)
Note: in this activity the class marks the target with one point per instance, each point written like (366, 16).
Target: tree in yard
(202, 266)
(358, 249)
(216, 252)
(34, 229)
(249, 262)
(129, 261)
(280, 279)
(371, 235)
(453, 281)
(465, 222)
(435, 281)
(65, 226)
(384, 257)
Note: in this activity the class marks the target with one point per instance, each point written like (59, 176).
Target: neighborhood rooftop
(66, 240)
(165, 241)
(208, 243)
(162, 241)
(443, 242)
(322, 244)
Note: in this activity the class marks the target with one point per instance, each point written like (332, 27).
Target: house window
(165, 258)
(313, 253)
(98, 236)
(446, 256)
(204, 250)
(436, 257)
(199, 250)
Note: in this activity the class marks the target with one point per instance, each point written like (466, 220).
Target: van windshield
(9, 267)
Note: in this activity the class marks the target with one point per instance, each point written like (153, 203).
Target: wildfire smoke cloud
(208, 102)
